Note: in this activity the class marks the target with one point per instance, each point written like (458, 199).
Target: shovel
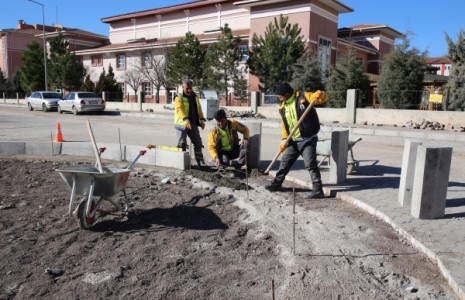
(94, 146)
(291, 134)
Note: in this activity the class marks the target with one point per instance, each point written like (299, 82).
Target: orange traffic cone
(59, 135)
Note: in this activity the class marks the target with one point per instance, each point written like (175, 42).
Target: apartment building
(442, 65)
(137, 37)
(13, 42)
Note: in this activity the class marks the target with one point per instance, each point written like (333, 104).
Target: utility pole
(45, 45)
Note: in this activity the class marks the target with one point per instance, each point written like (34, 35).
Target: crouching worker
(223, 142)
(304, 140)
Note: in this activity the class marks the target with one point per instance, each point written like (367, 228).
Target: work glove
(150, 146)
(202, 124)
(282, 146)
(187, 124)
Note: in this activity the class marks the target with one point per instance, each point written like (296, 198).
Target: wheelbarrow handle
(141, 152)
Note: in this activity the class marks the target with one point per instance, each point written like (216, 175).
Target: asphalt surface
(374, 186)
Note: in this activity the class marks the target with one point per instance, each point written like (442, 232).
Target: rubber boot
(274, 186)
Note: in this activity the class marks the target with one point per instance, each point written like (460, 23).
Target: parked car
(78, 102)
(45, 101)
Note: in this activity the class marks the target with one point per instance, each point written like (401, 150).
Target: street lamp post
(45, 46)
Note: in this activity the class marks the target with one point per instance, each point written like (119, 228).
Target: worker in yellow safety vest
(224, 145)
(188, 117)
(304, 139)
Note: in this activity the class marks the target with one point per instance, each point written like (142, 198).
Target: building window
(146, 89)
(324, 55)
(243, 51)
(147, 60)
(97, 61)
(121, 61)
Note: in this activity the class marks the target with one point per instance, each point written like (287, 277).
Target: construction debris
(434, 126)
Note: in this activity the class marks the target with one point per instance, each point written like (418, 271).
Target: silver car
(78, 102)
(46, 101)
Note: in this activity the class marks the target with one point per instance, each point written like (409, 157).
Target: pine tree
(347, 74)
(14, 82)
(100, 85)
(185, 60)
(110, 84)
(66, 71)
(32, 72)
(221, 65)
(401, 78)
(307, 74)
(3, 83)
(272, 57)
(456, 84)
(88, 85)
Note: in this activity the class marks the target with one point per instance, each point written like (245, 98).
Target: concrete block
(432, 170)
(351, 106)
(408, 171)
(78, 149)
(114, 152)
(253, 158)
(12, 148)
(338, 158)
(43, 148)
(132, 152)
(172, 159)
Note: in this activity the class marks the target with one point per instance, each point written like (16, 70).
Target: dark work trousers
(238, 152)
(306, 148)
(194, 135)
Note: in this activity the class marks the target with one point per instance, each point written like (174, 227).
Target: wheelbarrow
(323, 149)
(96, 187)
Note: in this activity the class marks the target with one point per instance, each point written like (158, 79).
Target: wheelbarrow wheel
(84, 221)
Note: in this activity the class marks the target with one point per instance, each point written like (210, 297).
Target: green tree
(3, 83)
(456, 83)
(185, 60)
(14, 82)
(88, 85)
(32, 72)
(347, 74)
(401, 78)
(99, 86)
(66, 71)
(221, 66)
(107, 83)
(110, 84)
(272, 57)
(307, 73)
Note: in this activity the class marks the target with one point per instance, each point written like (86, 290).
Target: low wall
(367, 116)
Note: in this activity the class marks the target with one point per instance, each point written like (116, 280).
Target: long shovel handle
(94, 146)
(306, 112)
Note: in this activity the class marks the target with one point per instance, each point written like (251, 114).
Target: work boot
(315, 194)
(274, 186)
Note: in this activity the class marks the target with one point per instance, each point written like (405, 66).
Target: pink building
(13, 42)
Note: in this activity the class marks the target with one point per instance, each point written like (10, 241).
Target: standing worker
(223, 141)
(304, 139)
(188, 116)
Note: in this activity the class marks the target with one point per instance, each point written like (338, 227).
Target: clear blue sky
(427, 20)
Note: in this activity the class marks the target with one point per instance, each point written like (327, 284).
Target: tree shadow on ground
(179, 216)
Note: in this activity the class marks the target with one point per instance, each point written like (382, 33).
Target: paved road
(374, 187)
